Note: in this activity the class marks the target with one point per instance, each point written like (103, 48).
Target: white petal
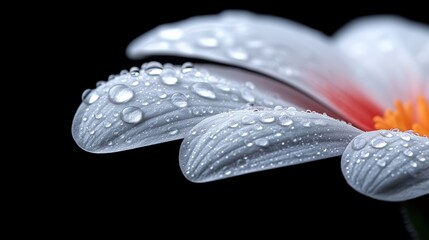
(157, 104)
(390, 55)
(291, 52)
(388, 165)
(250, 140)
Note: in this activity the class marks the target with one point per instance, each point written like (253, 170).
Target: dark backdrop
(144, 188)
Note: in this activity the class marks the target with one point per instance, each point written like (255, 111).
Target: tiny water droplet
(238, 53)
(378, 143)
(89, 96)
(320, 122)
(107, 124)
(187, 67)
(162, 95)
(233, 124)
(179, 100)
(100, 83)
(173, 132)
(364, 154)
(386, 134)
(120, 94)
(84, 119)
(248, 120)
(408, 153)
(98, 115)
(406, 137)
(134, 71)
(381, 163)
(132, 115)
(421, 158)
(413, 164)
(358, 143)
(262, 142)
(204, 90)
(208, 42)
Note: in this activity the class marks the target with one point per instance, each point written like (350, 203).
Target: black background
(144, 189)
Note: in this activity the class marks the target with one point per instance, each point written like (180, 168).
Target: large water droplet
(132, 115)
(168, 76)
(421, 158)
(204, 90)
(386, 134)
(153, 68)
(358, 143)
(285, 120)
(179, 100)
(187, 67)
(378, 143)
(89, 96)
(120, 94)
(266, 117)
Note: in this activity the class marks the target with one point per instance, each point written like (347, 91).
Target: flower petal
(388, 53)
(250, 140)
(286, 50)
(160, 103)
(388, 165)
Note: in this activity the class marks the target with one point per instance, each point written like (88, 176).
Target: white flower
(231, 119)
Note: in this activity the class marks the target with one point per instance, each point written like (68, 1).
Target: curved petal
(286, 50)
(390, 56)
(160, 103)
(256, 139)
(388, 165)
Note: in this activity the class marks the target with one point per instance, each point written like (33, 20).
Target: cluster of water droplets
(255, 139)
(157, 96)
(378, 163)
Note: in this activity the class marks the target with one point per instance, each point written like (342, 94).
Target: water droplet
(262, 142)
(110, 143)
(84, 119)
(320, 122)
(232, 124)
(171, 34)
(248, 120)
(134, 71)
(204, 90)
(100, 83)
(187, 67)
(135, 83)
(107, 124)
(153, 68)
(98, 115)
(208, 42)
(306, 123)
(386, 134)
(381, 163)
(249, 85)
(89, 96)
(408, 153)
(169, 76)
(378, 143)
(413, 164)
(162, 95)
(285, 120)
(406, 137)
(223, 87)
(120, 94)
(173, 132)
(246, 94)
(132, 115)
(179, 100)
(238, 54)
(358, 143)
(291, 109)
(364, 154)
(421, 158)
(266, 117)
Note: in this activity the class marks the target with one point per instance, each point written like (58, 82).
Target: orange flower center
(406, 116)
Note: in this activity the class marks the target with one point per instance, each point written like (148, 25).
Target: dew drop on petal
(261, 142)
(208, 42)
(406, 137)
(204, 90)
(153, 68)
(408, 153)
(421, 158)
(248, 120)
(358, 143)
(378, 143)
(98, 115)
(89, 96)
(381, 163)
(179, 100)
(247, 95)
(120, 94)
(387, 134)
(168, 76)
(187, 67)
(132, 115)
(285, 120)
(238, 54)
(266, 117)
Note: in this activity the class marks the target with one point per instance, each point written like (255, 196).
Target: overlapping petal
(388, 165)
(160, 103)
(249, 140)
